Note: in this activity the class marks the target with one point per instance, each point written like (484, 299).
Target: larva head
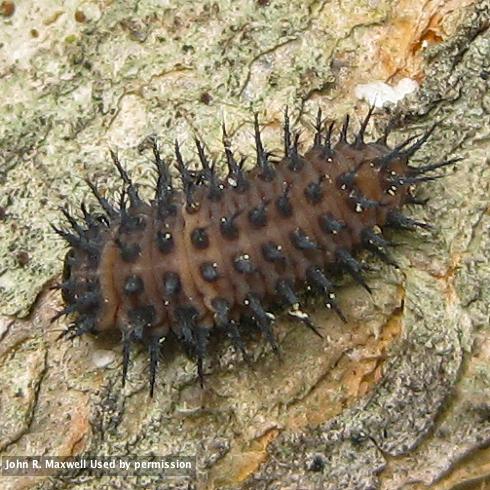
(66, 291)
(80, 287)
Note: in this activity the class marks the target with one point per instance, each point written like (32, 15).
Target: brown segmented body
(186, 259)
(221, 250)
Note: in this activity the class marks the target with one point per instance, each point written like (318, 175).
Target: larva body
(219, 250)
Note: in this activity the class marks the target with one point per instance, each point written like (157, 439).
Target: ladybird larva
(217, 250)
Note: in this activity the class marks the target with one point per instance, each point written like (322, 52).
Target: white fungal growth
(380, 93)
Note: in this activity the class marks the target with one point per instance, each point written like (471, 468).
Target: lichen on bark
(396, 398)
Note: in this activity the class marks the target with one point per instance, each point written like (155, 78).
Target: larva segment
(219, 250)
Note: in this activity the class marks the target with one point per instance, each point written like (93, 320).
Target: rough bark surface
(398, 397)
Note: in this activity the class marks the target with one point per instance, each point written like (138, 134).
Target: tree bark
(398, 398)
